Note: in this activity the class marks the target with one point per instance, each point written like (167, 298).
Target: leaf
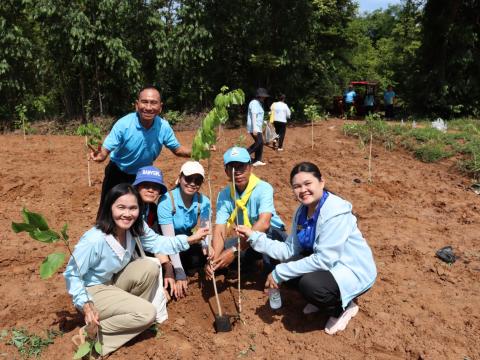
(19, 227)
(98, 347)
(47, 236)
(64, 232)
(35, 219)
(82, 350)
(51, 264)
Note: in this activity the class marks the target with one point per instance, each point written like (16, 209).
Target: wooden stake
(312, 133)
(238, 251)
(370, 160)
(88, 163)
(214, 281)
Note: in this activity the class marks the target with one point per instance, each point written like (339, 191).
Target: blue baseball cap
(150, 174)
(236, 154)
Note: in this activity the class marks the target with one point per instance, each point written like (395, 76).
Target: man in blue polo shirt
(254, 199)
(136, 140)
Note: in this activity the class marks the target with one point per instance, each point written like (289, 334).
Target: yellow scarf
(242, 202)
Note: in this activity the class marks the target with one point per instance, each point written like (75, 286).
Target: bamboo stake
(214, 281)
(312, 133)
(88, 163)
(370, 160)
(238, 250)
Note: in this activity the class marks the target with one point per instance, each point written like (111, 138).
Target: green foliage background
(80, 58)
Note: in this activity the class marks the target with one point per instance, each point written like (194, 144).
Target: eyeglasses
(238, 166)
(195, 179)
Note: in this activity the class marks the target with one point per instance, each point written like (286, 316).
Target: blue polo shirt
(260, 201)
(388, 97)
(350, 96)
(132, 146)
(184, 219)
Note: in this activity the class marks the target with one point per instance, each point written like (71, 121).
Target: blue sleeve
(158, 244)
(169, 138)
(164, 210)
(266, 199)
(87, 257)
(328, 247)
(224, 207)
(278, 250)
(115, 138)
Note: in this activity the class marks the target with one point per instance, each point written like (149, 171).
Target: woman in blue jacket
(325, 252)
(111, 291)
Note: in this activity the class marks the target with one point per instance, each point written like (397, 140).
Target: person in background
(389, 102)
(281, 112)
(251, 200)
(111, 291)
(255, 125)
(179, 212)
(369, 101)
(349, 98)
(135, 141)
(325, 254)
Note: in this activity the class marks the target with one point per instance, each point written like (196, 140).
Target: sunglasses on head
(196, 179)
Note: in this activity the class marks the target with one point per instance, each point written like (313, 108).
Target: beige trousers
(124, 308)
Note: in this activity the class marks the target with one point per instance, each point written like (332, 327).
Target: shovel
(222, 322)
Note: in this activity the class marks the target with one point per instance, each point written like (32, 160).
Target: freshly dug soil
(419, 307)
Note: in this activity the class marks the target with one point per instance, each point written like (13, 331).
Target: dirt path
(419, 308)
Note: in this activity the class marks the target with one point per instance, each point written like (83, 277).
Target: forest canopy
(80, 58)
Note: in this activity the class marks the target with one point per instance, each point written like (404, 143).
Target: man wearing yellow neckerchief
(252, 203)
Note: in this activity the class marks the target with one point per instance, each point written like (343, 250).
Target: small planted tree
(206, 137)
(93, 138)
(36, 226)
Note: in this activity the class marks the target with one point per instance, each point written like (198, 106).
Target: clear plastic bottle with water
(274, 298)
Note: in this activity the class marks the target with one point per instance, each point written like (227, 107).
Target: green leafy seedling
(206, 137)
(93, 138)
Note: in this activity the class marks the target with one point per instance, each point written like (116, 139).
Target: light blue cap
(238, 154)
(150, 174)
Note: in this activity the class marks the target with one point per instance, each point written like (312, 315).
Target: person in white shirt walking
(281, 113)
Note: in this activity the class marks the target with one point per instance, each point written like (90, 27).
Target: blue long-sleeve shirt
(99, 257)
(339, 247)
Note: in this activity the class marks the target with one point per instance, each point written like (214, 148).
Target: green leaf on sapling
(82, 350)
(98, 347)
(47, 236)
(51, 264)
(64, 232)
(35, 219)
(19, 227)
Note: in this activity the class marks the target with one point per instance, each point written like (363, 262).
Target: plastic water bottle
(275, 299)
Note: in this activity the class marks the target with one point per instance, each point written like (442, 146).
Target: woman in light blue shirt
(326, 252)
(179, 212)
(111, 291)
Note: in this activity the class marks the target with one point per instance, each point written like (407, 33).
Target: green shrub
(431, 152)
(173, 117)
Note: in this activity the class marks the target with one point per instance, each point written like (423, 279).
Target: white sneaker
(258, 163)
(310, 309)
(339, 324)
(280, 149)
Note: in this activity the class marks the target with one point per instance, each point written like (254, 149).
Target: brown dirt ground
(419, 307)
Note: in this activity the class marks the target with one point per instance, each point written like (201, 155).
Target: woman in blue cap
(179, 212)
(326, 253)
(150, 186)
